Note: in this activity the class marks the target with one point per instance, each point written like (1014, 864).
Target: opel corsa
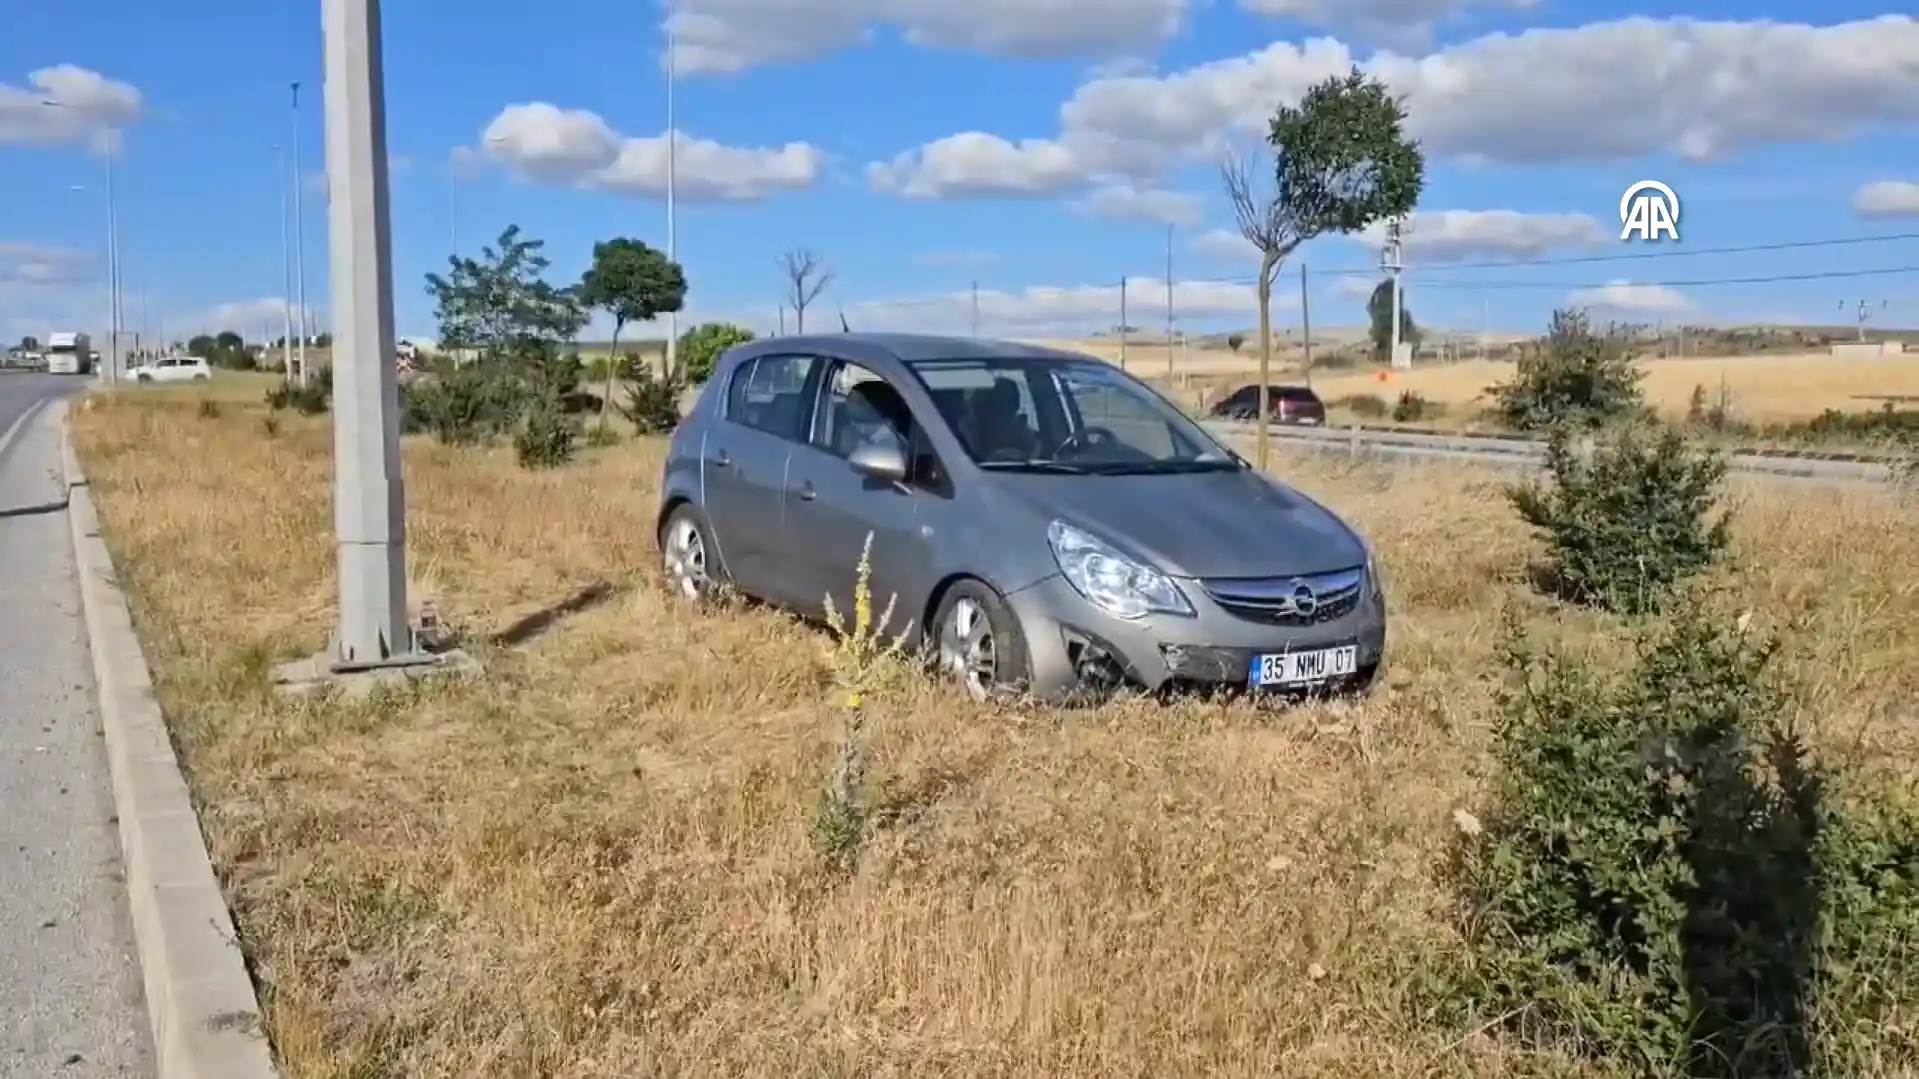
(1041, 521)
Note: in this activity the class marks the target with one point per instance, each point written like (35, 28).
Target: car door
(743, 471)
(831, 509)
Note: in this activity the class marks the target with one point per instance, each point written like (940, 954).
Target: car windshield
(1067, 416)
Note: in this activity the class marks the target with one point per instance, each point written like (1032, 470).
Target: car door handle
(806, 491)
(720, 459)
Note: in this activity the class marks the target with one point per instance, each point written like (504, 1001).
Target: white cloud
(41, 264)
(1062, 310)
(1887, 198)
(1626, 298)
(1607, 91)
(1443, 236)
(1399, 23)
(723, 36)
(85, 106)
(1125, 202)
(547, 144)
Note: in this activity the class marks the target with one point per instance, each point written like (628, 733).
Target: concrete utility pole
(1124, 330)
(300, 229)
(672, 181)
(1306, 323)
(369, 497)
(112, 373)
(1392, 261)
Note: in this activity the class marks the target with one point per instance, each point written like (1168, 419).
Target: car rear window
(1298, 395)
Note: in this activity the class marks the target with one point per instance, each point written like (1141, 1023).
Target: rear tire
(977, 641)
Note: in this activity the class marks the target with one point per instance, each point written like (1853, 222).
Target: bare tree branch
(1262, 218)
(807, 275)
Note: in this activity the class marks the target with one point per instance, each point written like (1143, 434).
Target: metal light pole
(286, 263)
(369, 497)
(1169, 303)
(300, 235)
(672, 177)
(112, 372)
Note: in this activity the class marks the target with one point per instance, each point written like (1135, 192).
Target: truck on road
(69, 354)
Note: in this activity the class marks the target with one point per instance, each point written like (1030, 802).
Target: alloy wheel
(684, 556)
(967, 650)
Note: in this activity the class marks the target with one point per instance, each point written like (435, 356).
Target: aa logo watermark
(1648, 210)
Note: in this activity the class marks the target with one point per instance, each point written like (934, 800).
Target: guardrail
(1521, 451)
(1508, 436)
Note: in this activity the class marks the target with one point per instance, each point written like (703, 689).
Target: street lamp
(672, 215)
(286, 259)
(299, 235)
(113, 257)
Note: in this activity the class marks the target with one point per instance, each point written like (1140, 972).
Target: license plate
(1303, 668)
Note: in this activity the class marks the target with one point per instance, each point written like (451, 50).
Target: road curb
(201, 1003)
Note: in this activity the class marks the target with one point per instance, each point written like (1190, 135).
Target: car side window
(860, 407)
(768, 394)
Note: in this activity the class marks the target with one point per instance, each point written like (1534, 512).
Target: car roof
(907, 349)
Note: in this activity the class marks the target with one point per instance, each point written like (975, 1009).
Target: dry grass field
(595, 860)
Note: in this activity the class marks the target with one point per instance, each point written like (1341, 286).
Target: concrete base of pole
(324, 673)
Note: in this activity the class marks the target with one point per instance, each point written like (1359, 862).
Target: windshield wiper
(1058, 467)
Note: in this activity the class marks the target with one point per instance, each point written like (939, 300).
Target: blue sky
(1040, 150)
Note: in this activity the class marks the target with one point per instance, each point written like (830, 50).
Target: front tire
(687, 556)
(979, 643)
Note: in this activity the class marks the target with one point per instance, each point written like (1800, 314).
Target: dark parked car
(1040, 520)
(1287, 404)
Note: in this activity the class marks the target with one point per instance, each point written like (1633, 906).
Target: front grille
(1281, 601)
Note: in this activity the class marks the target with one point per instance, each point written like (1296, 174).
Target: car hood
(1209, 524)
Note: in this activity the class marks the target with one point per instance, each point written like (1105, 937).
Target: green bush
(1576, 375)
(1628, 522)
(548, 437)
(1664, 880)
(312, 399)
(464, 404)
(652, 402)
(700, 347)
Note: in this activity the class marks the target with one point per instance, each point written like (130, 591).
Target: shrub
(652, 401)
(699, 349)
(1236, 341)
(1577, 375)
(1663, 878)
(312, 399)
(1626, 521)
(464, 404)
(1412, 407)
(548, 437)
(863, 661)
(1367, 406)
(209, 409)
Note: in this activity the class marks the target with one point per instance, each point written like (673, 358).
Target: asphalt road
(70, 998)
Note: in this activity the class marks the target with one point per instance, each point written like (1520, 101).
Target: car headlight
(1111, 581)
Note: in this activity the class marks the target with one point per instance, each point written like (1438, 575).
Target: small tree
(1342, 161)
(700, 349)
(1575, 375)
(1379, 316)
(1627, 522)
(806, 277)
(633, 283)
(29, 343)
(500, 306)
(1235, 341)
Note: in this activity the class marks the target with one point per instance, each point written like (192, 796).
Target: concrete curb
(200, 999)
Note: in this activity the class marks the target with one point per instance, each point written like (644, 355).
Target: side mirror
(884, 461)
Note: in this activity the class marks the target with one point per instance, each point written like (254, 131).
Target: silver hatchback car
(1042, 522)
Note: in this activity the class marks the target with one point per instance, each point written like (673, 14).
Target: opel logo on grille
(1305, 601)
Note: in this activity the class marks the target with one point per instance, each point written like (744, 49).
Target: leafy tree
(1341, 161)
(1379, 314)
(1578, 375)
(29, 343)
(1236, 341)
(204, 346)
(519, 324)
(700, 349)
(633, 283)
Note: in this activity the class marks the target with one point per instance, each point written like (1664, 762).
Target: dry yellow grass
(1762, 389)
(595, 861)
